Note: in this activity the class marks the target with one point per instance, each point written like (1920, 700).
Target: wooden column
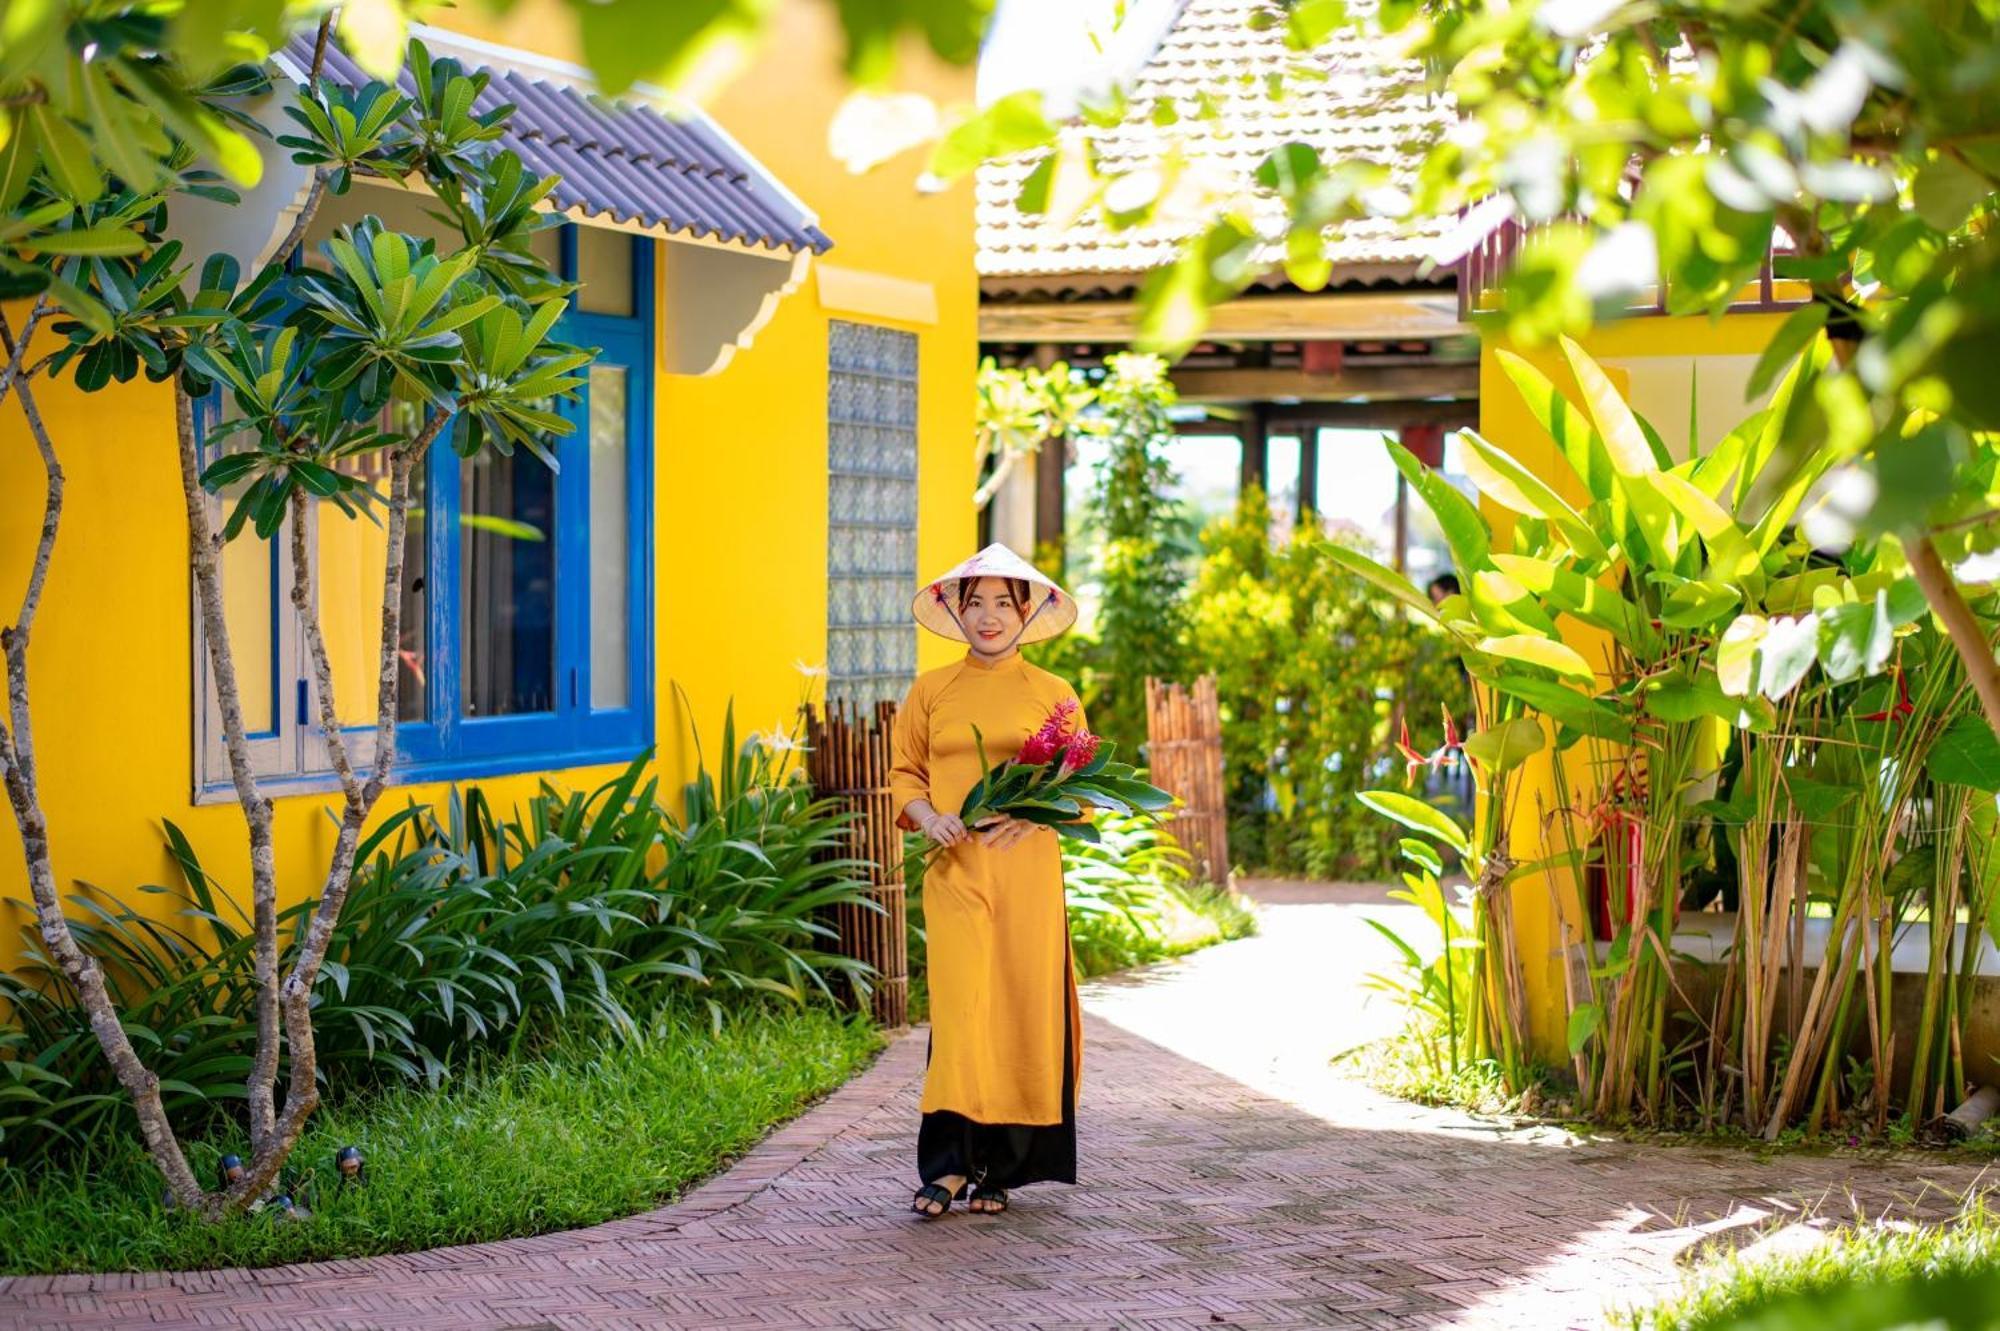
(1308, 470)
(1425, 440)
(1256, 436)
(1051, 471)
(1402, 524)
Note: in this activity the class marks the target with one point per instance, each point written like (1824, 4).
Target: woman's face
(991, 615)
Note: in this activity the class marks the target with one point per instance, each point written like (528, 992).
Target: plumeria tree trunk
(205, 557)
(17, 766)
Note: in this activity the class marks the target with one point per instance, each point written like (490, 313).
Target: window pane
(610, 540)
(353, 557)
(1357, 496)
(1281, 482)
(413, 696)
(248, 604)
(604, 267)
(250, 592)
(507, 584)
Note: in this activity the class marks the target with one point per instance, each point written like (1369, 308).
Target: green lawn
(584, 1133)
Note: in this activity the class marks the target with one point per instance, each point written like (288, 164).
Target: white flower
(809, 671)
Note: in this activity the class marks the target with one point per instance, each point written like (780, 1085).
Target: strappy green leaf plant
(1726, 708)
(465, 929)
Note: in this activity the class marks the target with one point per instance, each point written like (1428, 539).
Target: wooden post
(1402, 523)
(1309, 470)
(1256, 439)
(1051, 472)
(848, 761)
(1184, 743)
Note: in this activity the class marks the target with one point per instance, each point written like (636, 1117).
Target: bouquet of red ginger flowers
(1060, 771)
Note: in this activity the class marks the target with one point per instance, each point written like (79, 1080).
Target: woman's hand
(946, 829)
(1001, 831)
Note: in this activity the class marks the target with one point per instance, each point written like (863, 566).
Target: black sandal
(978, 1194)
(931, 1192)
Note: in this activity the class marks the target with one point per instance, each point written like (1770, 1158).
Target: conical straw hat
(1051, 611)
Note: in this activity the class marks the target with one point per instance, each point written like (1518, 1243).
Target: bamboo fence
(1184, 744)
(848, 760)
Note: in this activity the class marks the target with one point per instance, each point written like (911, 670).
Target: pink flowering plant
(1062, 769)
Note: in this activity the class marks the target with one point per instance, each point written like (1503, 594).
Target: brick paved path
(1230, 1180)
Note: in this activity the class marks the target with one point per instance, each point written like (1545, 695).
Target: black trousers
(1003, 1155)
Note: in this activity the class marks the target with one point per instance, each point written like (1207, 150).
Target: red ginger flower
(1054, 734)
(1082, 749)
(1038, 750)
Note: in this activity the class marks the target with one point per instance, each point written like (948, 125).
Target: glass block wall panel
(871, 641)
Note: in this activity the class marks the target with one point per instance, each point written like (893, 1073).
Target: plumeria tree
(382, 348)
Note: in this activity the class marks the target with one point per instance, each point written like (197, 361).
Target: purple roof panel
(627, 161)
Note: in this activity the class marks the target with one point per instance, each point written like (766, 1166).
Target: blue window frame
(533, 649)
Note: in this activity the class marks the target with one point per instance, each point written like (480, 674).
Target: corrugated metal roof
(1344, 99)
(628, 160)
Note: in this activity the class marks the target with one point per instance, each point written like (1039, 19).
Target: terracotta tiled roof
(1358, 110)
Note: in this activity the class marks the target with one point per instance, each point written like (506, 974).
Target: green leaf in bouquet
(1040, 815)
(1081, 832)
(1098, 795)
(1139, 794)
(1099, 763)
(1061, 805)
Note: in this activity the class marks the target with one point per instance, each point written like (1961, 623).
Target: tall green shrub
(1143, 562)
(1313, 670)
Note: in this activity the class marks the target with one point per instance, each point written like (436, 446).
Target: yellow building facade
(731, 587)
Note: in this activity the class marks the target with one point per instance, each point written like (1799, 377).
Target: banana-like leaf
(1503, 605)
(1465, 532)
(1586, 598)
(1384, 578)
(1574, 711)
(1547, 653)
(1634, 450)
(1509, 484)
(1580, 443)
(1506, 746)
(1730, 553)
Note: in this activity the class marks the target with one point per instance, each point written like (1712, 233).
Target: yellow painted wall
(1654, 361)
(740, 516)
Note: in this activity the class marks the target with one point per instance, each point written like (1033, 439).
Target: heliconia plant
(1060, 771)
(1724, 706)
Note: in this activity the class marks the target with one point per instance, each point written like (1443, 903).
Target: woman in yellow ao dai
(1006, 1038)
